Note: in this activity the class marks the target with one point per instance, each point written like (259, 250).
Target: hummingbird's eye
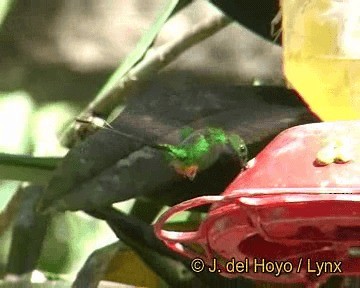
(243, 148)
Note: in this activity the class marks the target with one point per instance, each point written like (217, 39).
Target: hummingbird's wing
(108, 168)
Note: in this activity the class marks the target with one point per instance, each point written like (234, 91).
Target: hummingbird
(197, 151)
(200, 149)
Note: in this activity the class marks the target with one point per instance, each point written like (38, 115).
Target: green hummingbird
(197, 151)
(200, 149)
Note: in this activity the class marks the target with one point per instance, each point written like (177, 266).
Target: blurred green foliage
(26, 130)
(5, 6)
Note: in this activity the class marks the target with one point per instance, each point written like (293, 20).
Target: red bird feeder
(293, 216)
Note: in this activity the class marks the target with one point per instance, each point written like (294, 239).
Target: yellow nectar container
(321, 40)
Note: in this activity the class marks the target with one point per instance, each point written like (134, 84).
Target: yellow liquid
(314, 61)
(330, 86)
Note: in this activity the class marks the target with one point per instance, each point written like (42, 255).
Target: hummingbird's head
(239, 146)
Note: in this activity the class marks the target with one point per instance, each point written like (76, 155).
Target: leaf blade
(27, 168)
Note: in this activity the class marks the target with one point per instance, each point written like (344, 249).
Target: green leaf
(143, 45)
(26, 168)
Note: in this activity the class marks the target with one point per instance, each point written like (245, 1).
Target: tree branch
(154, 60)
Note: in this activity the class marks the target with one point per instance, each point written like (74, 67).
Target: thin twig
(154, 60)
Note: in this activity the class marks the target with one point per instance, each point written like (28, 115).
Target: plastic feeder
(284, 208)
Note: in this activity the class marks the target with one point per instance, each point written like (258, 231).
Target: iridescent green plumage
(201, 149)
